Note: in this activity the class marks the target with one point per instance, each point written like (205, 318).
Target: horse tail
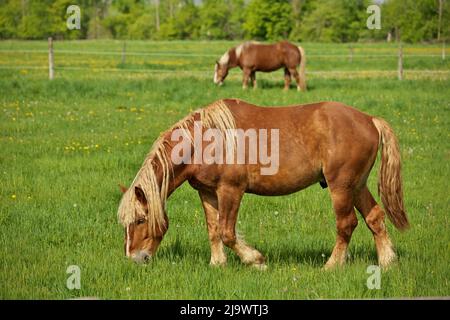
(302, 73)
(389, 178)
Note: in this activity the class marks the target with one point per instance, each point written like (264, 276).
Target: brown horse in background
(253, 56)
(326, 142)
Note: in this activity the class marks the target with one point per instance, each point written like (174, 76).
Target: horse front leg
(229, 202)
(210, 206)
(246, 77)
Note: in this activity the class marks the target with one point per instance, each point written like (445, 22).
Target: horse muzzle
(141, 257)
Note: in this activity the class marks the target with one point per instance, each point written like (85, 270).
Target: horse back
(312, 138)
(269, 57)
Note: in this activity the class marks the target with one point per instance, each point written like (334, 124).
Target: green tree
(268, 19)
(10, 16)
(414, 20)
(184, 25)
(334, 21)
(57, 13)
(221, 19)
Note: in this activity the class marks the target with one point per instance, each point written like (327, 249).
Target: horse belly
(263, 60)
(286, 181)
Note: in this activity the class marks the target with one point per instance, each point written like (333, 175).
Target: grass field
(67, 143)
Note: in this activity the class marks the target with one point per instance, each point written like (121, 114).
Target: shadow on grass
(317, 257)
(288, 254)
(264, 84)
(274, 84)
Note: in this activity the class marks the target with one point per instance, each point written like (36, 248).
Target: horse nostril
(141, 257)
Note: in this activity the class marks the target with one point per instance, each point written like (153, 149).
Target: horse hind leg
(287, 79)
(296, 75)
(374, 218)
(253, 79)
(229, 201)
(346, 222)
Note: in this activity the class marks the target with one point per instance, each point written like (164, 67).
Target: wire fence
(354, 57)
(187, 54)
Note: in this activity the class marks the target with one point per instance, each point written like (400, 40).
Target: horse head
(220, 72)
(141, 241)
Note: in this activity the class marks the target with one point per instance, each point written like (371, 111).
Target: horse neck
(232, 59)
(177, 173)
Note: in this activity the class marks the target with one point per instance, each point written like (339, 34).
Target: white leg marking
(128, 244)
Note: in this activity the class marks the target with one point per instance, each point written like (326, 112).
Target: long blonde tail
(389, 178)
(302, 70)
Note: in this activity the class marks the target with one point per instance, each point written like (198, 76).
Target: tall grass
(68, 143)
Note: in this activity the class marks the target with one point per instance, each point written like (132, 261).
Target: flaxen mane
(217, 115)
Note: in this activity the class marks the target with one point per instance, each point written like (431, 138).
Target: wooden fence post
(443, 50)
(51, 72)
(351, 54)
(400, 62)
(124, 53)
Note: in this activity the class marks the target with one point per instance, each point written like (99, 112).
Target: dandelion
(13, 197)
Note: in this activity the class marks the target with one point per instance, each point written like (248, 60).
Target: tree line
(297, 20)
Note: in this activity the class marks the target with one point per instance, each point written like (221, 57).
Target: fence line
(176, 54)
(6, 67)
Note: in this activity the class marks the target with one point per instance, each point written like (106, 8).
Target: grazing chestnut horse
(327, 142)
(253, 56)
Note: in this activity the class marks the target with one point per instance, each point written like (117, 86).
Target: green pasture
(66, 144)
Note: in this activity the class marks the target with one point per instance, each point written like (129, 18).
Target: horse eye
(141, 221)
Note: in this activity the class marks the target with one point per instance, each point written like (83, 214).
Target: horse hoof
(328, 267)
(218, 264)
(388, 262)
(260, 266)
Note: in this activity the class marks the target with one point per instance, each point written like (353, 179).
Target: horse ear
(122, 188)
(140, 195)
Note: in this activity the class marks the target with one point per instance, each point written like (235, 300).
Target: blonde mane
(216, 115)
